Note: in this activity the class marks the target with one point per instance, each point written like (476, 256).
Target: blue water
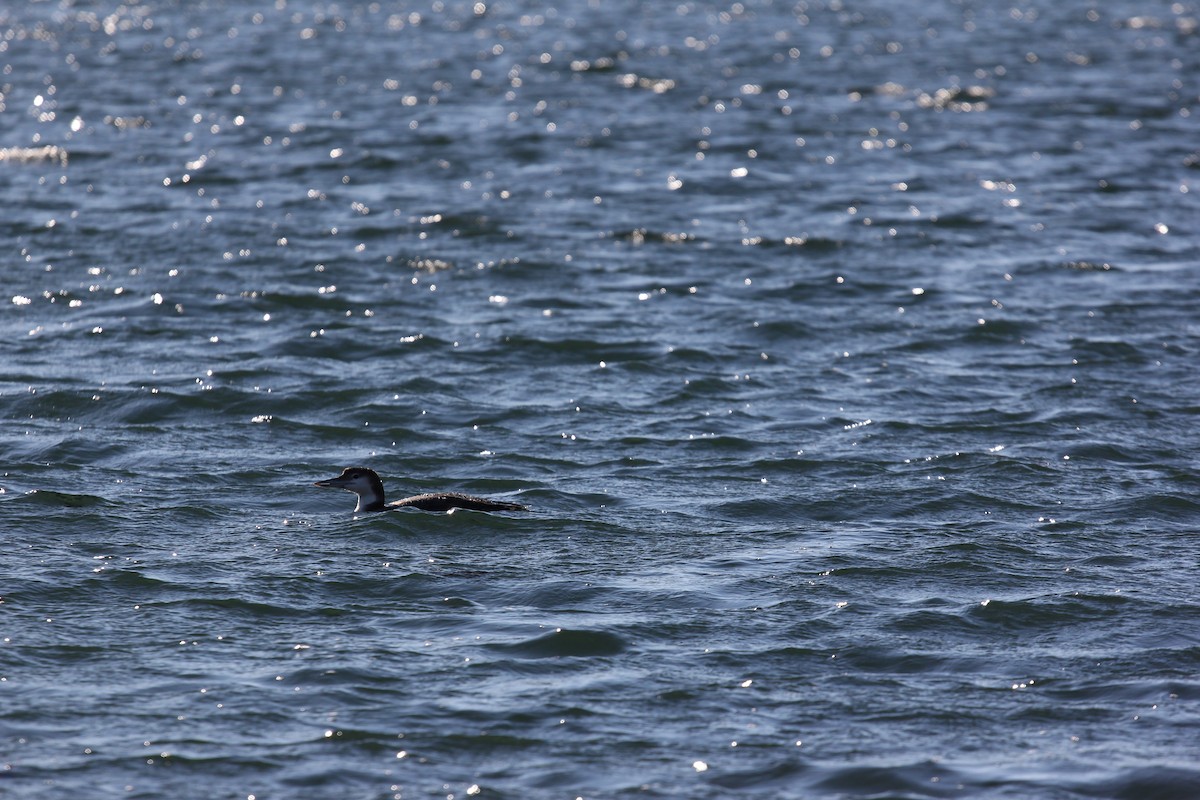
(847, 354)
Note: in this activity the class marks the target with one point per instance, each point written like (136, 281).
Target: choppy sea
(847, 353)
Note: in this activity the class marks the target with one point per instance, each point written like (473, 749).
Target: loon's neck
(371, 500)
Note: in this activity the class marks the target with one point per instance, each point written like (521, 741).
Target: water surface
(846, 354)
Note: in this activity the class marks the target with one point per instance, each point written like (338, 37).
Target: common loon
(366, 484)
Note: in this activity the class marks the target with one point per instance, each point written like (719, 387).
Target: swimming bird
(369, 488)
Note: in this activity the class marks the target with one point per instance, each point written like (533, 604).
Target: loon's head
(363, 482)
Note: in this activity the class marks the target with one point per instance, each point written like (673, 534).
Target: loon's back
(445, 501)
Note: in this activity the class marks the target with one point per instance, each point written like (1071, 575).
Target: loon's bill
(369, 488)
